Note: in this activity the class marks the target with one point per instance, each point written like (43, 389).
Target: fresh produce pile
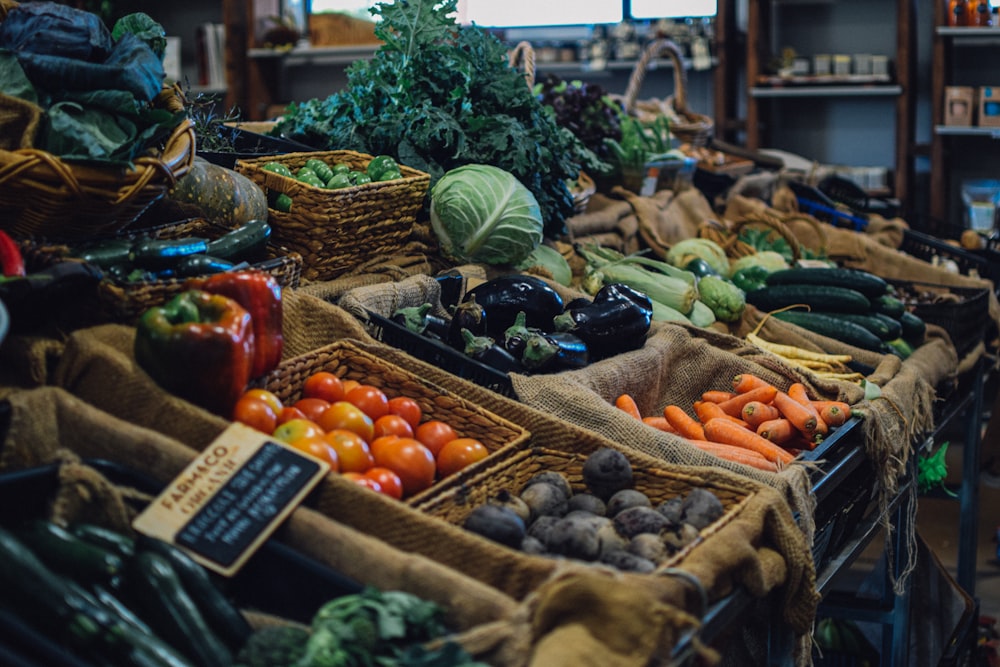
(586, 110)
(319, 174)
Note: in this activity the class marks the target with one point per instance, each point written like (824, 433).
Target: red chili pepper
(11, 260)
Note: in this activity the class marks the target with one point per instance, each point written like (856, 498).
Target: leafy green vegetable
(145, 28)
(436, 96)
(551, 261)
(51, 28)
(481, 213)
(273, 645)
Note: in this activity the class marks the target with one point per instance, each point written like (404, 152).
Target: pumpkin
(218, 194)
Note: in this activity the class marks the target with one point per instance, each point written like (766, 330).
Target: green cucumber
(868, 284)
(882, 326)
(163, 254)
(914, 328)
(827, 299)
(900, 347)
(201, 265)
(110, 540)
(834, 327)
(104, 254)
(64, 552)
(889, 305)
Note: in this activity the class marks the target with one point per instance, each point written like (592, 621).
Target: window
(656, 9)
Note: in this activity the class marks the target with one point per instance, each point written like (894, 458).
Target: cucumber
(163, 254)
(882, 326)
(914, 328)
(889, 305)
(868, 284)
(65, 552)
(201, 265)
(105, 254)
(900, 347)
(833, 327)
(245, 243)
(827, 299)
(110, 540)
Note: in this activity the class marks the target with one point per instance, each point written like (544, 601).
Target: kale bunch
(436, 96)
(586, 110)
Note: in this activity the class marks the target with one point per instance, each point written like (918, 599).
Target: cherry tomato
(325, 385)
(316, 446)
(349, 385)
(342, 414)
(435, 434)
(312, 408)
(459, 453)
(255, 413)
(390, 482)
(360, 479)
(268, 397)
(380, 441)
(294, 429)
(393, 425)
(289, 413)
(409, 459)
(372, 400)
(407, 408)
(352, 451)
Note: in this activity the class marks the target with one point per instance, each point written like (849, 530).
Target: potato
(648, 546)
(499, 524)
(545, 499)
(551, 477)
(504, 498)
(635, 520)
(701, 508)
(587, 502)
(626, 498)
(607, 471)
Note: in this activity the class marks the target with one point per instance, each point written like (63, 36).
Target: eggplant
(503, 297)
(452, 288)
(616, 320)
(515, 336)
(419, 320)
(554, 351)
(485, 350)
(466, 315)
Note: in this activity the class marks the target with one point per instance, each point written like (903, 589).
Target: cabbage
(483, 214)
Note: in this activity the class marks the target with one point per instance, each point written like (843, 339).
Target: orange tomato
(435, 434)
(325, 385)
(352, 451)
(268, 397)
(312, 408)
(392, 425)
(361, 480)
(255, 413)
(289, 413)
(407, 408)
(372, 400)
(342, 414)
(390, 482)
(316, 446)
(294, 429)
(409, 459)
(349, 385)
(380, 441)
(459, 453)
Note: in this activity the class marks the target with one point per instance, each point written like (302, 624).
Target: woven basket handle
(651, 52)
(523, 55)
(768, 220)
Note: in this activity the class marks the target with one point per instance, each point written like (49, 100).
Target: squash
(218, 194)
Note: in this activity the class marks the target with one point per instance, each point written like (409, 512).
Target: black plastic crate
(965, 321)
(984, 263)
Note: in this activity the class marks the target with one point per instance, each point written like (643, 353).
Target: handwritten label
(230, 499)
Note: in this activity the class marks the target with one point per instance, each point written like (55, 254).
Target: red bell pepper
(259, 293)
(11, 261)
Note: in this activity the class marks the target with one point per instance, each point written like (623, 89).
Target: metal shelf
(826, 91)
(967, 131)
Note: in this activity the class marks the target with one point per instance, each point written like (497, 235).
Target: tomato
(342, 414)
(390, 482)
(316, 446)
(434, 434)
(294, 429)
(360, 479)
(349, 385)
(325, 385)
(312, 408)
(409, 459)
(289, 413)
(372, 400)
(255, 413)
(459, 453)
(268, 397)
(352, 451)
(407, 408)
(393, 425)
(380, 441)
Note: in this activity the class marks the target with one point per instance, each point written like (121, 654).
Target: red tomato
(316, 446)
(294, 429)
(380, 441)
(342, 414)
(434, 434)
(349, 385)
(352, 451)
(409, 459)
(268, 397)
(407, 408)
(459, 453)
(325, 385)
(390, 482)
(289, 413)
(392, 425)
(360, 479)
(312, 408)
(255, 413)
(372, 400)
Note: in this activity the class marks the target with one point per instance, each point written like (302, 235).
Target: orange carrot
(683, 423)
(728, 433)
(706, 411)
(660, 423)
(747, 381)
(833, 415)
(756, 412)
(627, 404)
(779, 431)
(716, 396)
(734, 406)
(735, 454)
(801, 417)
(800, 394)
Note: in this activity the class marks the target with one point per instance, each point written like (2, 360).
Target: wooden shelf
(967, 131)
(826, 91)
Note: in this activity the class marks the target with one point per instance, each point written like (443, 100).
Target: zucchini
(868, 284)
(827, 299)
(246, 243)
(889, 305)
(834, 327)
(200, 265)
(65, 552)
(914, 328)
(163, 253)
(882, 326)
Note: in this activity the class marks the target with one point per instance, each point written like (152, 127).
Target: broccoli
(273, 646)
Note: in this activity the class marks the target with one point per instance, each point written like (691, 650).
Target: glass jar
(958, 13)
(980, 13)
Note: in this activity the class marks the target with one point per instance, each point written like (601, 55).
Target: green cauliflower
(724, 298)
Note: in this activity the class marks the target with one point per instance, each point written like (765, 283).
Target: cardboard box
(959, 102)
(989, 106)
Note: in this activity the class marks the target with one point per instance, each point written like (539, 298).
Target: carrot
(747, 381)
(756, 412)
(627, 404)
(706, 411)
(779, 431)
(833, 415)
(734, 406)
(801, 417)
(660, 423)
(683, 423)
(716, 396)
(728, 433)
(735, 454)
(800, 394)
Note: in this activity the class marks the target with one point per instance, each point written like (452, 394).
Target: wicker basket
(500, 436)
(43, 195)
(522, 56)
(337, 230)
(728, 236)
(686, 125)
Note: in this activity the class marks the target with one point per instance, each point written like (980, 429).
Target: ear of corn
(666, 288)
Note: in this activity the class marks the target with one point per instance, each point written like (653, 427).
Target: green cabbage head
(483, 214)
